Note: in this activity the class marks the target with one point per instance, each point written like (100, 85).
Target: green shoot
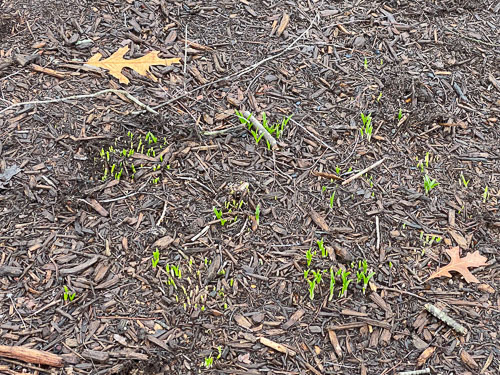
(219, 350)
(365, 63)
(332, 199)
(379, 97)
(257, 213)
(209, 361)
(312, 285)
(321, 246)
(367, 127)
(363, 275)
(345, 282)
(156, 258)
(427, 155)
(309, 256)
(218, 215)
(400, 114)
(463, 180)
(429, 183)
(332, 283)
(67, 294)
(337, 170)
(486, 194)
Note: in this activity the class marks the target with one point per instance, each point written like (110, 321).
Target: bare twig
(260, 129)
(360, 173)
(377, 224)
(441, 315)
(84, 96)
(416, 372)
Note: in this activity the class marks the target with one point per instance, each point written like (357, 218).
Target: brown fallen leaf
(461, 265)
(115, 63)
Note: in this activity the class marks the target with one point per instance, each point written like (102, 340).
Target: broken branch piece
(260, 129)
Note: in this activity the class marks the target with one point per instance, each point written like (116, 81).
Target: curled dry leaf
(461, 265)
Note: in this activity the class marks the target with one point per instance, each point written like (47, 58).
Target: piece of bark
(97, 206)
(335, 342)
(39, 357)
(79, 268)
(10, 271)
(319, 220)
(294, 318)
(278, 347)
(95, 355)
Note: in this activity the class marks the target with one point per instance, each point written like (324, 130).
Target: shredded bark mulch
(148, 232)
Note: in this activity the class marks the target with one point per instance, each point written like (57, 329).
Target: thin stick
(185, 55)
(416, 372)
(360, 173)
(260, 129)
(73, 97)
(441, 315)
(377, 225)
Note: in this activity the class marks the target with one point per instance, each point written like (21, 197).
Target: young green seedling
(332, 283)
(321, 246)
(429, 183)
(345, 282)
(486, 194)
(332, 199)
(367, 127)
(156, 258)
(309, 256)
(363, 274)
(400, 114)
(218, 215)
(67, 294)
(464, 181)
(257, 214)
(209, 361)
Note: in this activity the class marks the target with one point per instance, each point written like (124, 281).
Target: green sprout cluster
(363, 274)
(277, 128)
(182, 281)
(229, 207)
(67, 295)
(423, 165)
(367, 127)
(314, 278)
(117, 161)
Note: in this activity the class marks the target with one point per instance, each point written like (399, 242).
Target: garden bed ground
(427, 71)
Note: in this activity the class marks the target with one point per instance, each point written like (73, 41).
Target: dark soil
(426, 71)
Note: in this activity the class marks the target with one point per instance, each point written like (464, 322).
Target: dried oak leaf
(461, 265)
(115, 63)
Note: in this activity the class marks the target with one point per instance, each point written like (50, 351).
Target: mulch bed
(77, 280)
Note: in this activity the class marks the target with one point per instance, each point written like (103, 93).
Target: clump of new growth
(277, 129)
(67, 294)
(118, 159)
(156, 258)
(367, 127)
(345, 281)
(429, 183)
(363, 274)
